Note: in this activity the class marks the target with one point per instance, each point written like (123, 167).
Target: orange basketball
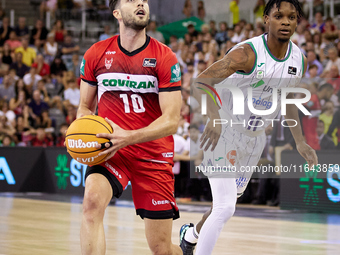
(81, 139)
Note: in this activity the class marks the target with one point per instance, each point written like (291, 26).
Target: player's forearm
(161, 127)
(292, 113)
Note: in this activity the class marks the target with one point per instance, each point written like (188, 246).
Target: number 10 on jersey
(137, 103)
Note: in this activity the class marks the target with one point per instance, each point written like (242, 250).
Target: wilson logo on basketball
(231, 156)
(79, 144)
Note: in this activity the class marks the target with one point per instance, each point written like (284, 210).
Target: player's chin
(284, 39)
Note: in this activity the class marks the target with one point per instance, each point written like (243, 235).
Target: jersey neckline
(132, 53)
(273, 57)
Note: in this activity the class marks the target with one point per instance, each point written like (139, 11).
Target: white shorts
(233, 157)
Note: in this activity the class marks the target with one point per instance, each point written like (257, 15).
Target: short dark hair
(313, 66)
(113, 4)
(271, 4)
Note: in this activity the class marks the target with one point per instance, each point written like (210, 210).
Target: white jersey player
(264, 63)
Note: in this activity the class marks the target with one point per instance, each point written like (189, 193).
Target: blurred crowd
(39, 83)
(40, 68)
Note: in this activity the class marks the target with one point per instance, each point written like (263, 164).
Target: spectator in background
(309, 123)
(18, 103)
(106, 33)
(299, 36)
(281, 137)
(333, 78)
(57, 69)
(48, 6)
(76, 62)
(43, 91)
(201, 10)
(41, 138)
(312, 60)
(318, 25)
(325, 142)
(20, 68)
(28, 53)
(13, 77)
(36, 107)
(213, 30)
(238, 35)
(13, 41)
(329, 28)
(258, 9)
(222, 35)
(7, 90)
(192, 31)
(187, 9)
(46, 121)
(152, 32)
(333, 60)
(62, 135)
(5, 127)
(59, 31)
(31, 80)
(234, 9)
(72, 94)
(7, 112)
(3, 67)
(327, 117)
(68, 48)
(50, 48)
(201, 66)
(43, 69)
(311, 75)
(71, 114)
(5, 30)
(7, 141)
(7, 54)
(38, 35)
(21, 29)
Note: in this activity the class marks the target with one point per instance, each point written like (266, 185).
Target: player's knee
(93, 205)
(225, 211)
(160, 247)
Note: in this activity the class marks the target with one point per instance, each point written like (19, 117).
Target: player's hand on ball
(210, 136)
(307, 153)
(119, 138)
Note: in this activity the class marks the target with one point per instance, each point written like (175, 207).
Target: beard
(283, 40)
(133, 23)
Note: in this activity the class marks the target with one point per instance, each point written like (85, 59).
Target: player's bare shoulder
(240, 58)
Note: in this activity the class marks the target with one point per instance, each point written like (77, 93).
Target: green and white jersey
(268, 72)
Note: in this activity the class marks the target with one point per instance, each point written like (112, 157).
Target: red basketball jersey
(128, 86)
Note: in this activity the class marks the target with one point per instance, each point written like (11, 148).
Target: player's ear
(116, 14)
(266, 19)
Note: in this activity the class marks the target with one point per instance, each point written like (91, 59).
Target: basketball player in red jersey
(136, 82)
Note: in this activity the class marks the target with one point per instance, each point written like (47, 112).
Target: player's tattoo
(236, 60)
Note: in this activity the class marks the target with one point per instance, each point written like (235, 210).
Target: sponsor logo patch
(168, 155)
(149, 62)
(231, 156)
(292, 70)
(175, 73)
(82, 67)
(110, 52)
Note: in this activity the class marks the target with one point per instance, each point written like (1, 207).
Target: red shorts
(152, 183)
